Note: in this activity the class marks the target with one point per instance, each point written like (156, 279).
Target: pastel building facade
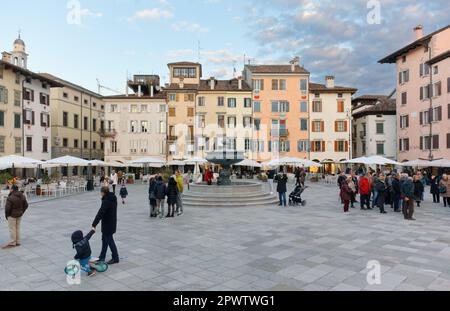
(374, 126)
(77, 117)
(136, 125)
(422, 96)
(25, 114)
(280, 102)
(224, 116)
(330, 123)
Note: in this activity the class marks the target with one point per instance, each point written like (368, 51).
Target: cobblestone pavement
(316, 247)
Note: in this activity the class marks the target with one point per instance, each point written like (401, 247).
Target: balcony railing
(107, 132)
(279, 133)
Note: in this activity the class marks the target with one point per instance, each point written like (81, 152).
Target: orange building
(280, 107)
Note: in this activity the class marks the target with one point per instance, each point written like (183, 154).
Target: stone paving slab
(316, 247)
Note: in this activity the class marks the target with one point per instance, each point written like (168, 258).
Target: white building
(136, 125)
(34, 100)
(330, 115)
(374, 126)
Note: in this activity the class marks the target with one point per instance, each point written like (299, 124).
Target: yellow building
(77, 117)
(224, 116)
(181, 93)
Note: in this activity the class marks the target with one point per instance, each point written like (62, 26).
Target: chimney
(295, 62)
(240, 83)
(139, 91)
(181, 84)
(212, 83)
(418, 31)
(329, 82)
(152, 90)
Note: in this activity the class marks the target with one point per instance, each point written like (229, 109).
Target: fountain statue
(225, 159)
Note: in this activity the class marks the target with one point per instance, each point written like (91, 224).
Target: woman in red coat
(346, 194)
(209, 176)
(364, 192)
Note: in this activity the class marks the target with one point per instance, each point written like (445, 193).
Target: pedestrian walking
(114, 179)
(160, 194)
(15, 207)
(282, 189)
(396, 193)
(123, 192)
(364, 192)
(180, 185)
(407, 192)
(418, 189)
(172, 195)
(107, 215)
(346, 193)
(270, 178)
(152, 197)
(434, 189)
(381, 189)
(444, 189)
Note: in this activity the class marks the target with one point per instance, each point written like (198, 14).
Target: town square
(225, 146)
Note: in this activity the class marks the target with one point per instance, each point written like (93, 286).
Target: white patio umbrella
(176, 163)
(249, 163)
(14, 161)
(115, 164)
(379, 160)
(361, 160)
(150, 161)
(417, 163)
(195, 160)
(98, 163)
(67, 161)
(309, 163)
(440, 163)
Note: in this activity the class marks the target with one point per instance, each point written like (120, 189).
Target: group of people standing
(400, 191)
(158, 191)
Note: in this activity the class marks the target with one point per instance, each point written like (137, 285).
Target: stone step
(272, 202)
(192, 194)
(198, 199)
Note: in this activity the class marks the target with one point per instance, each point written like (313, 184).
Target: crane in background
(100, 87)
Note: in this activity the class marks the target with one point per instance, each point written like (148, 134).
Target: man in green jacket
(180, 185)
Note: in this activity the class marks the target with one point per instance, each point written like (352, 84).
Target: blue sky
(142, 36)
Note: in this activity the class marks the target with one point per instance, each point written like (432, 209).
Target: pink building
(423, 96)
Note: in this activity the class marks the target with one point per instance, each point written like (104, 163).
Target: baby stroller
(295, 197)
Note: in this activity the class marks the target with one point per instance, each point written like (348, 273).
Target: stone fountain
(225, 159)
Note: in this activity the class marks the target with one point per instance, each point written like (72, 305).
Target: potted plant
(130, 179)
(5, 177)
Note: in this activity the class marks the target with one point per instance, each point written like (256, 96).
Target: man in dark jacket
(381, 189)
(160, 194)
(281, 188)
(107, 214)
(396, 192)
(16, 205)
(407, 192)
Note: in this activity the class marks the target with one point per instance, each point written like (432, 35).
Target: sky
(110, 40)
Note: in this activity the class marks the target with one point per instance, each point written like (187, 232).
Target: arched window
(23, 62)
(16, 61)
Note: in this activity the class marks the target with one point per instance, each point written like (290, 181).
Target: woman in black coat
(418, 189)
(281, 188)
(107, 214)
(434, 190)
(172, 194)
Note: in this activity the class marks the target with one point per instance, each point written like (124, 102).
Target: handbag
(442, 189)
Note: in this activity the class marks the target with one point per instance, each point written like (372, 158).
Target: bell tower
(19, 57)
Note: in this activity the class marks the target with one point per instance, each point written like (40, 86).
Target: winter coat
(160, 190)
(418, 190)
(341, 179)
(271, 174)
(16, 205)
(172, 194)
(445, 183)
(364, 187)
(123, 192)
(355, 182)
(281, 186)
(395, 188)
(114, 178)
(81, 244)
(434, 189)
(151, 192)
(346, 193)
(407, 189)
(381, 188)
(107, 214)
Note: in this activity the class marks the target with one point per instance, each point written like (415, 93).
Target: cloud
(153, 14)
(334, 37)
(188, 27)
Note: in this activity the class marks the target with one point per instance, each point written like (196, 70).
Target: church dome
(19, 41)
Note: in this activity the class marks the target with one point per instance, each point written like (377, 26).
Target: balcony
(279, 133)
(107, 133)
